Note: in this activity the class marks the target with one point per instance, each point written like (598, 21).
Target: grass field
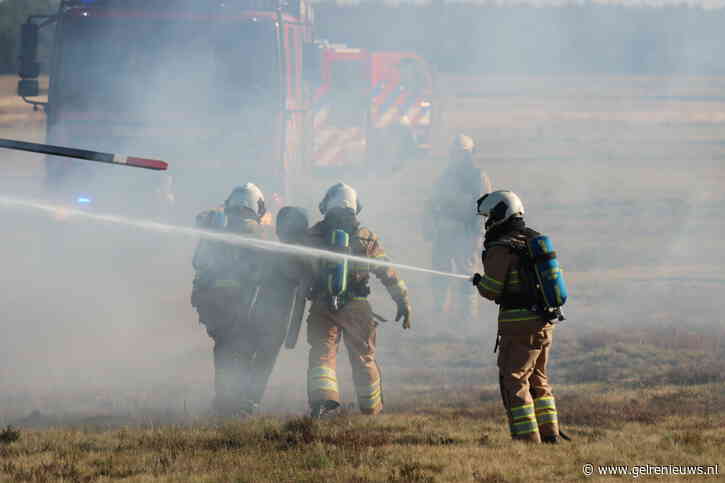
(434, 441)
(107, 374)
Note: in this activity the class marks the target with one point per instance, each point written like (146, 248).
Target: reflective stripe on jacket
(500, 278)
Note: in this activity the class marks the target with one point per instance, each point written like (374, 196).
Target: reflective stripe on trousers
(323, 379)
(523, 420)
(370, 397)
(546, 414)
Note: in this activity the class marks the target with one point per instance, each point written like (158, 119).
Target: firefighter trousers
(233, 359)
(234, 351)
(353, 324)
(525, 389)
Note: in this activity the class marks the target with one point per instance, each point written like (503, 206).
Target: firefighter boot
(324, 409)
(552, 439)
(248, 408)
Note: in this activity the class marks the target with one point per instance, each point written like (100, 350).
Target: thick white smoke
(624, 172)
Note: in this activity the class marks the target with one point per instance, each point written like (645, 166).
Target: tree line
(587, 38)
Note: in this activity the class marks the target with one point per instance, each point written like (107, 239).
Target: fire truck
(370, 106)
(228, 91)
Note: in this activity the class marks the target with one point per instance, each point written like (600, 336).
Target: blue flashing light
(82, 200)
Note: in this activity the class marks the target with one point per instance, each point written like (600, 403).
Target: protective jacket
(226, 273)
(506, 282)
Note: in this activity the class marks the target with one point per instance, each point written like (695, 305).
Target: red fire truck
(219, 89)
(370, 106)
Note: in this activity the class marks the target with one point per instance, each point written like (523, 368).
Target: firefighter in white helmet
(454, 232)
(340, 309)
(524, 333)
(225, 285)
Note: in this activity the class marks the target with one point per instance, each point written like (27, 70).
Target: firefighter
(524, 333)
(279, 290)
(456, 236)
(225, 285)
(340, 309)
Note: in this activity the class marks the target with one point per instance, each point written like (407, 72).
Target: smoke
(229, 238)
(617, 157)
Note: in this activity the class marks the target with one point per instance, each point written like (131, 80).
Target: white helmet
(248, 196)
(463, 143)
(499, 206)
(340, 195)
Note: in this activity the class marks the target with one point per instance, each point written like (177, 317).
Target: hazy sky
(708, 4)
(654, 3)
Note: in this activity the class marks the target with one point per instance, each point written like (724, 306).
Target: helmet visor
(481, 209)
(342, 197)
(244, 198)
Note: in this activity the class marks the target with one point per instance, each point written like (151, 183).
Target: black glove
(404, 313)
(476, 279)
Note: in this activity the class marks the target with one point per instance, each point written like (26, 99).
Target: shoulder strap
(515, 241)
(512, 242)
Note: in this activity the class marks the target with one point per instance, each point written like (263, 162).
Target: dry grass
(437, 427)
(14, 112)
(616, 426)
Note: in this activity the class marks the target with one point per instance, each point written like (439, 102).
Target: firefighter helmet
(292, 224)
(340, 195)
(462, 145)
(499, 207)
(247, 197)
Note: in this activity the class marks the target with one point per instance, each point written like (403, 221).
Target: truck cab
(213, 87)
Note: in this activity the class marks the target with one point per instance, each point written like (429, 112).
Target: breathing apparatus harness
(340, 231)
(336, 271)
(542, 286)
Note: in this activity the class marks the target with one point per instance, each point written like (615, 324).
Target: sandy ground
(626, 174)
